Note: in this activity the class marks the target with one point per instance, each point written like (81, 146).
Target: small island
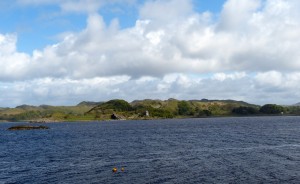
(27, 127)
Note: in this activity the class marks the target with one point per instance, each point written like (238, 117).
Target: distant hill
(241, 103)
(26, 107)
(44, 113)
(297, 104)
(88, 103)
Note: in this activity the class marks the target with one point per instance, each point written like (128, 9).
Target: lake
(211, 150)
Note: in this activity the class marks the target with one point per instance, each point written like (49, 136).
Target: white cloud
(272, 78)
(165, 11)
(7, 44)
(53, 91)
(13, 64)
(232, 76)
(254, 37)
(275, 79)
(250, 50)
(237, 13)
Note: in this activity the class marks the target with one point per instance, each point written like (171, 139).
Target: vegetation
(141, 109)
(185, 109)
(271, 109)
(242, 110)
(116, 105)
(293, 110)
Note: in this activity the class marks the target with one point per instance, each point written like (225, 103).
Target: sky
(62, 52)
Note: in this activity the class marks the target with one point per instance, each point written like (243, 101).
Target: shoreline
(149, 119)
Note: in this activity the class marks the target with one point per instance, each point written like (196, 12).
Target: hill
(140, 109)
(88, 103)
(43, 113)
(170, 108)
(297, 104)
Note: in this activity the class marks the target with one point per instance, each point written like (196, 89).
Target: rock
(27, 127)
(117, 117)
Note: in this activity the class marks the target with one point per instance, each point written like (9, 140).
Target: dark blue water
(215, 150)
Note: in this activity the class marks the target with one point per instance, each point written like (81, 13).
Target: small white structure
(147, 114)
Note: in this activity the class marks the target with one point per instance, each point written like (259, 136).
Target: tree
(203, 113)
(271, 109)
(242, 110)
(184, 108)
(117, 105)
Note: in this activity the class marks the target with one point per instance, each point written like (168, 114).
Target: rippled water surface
(214, 150)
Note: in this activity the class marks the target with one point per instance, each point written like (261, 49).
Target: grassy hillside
(45, 113)
(170, 108)
(141, 109)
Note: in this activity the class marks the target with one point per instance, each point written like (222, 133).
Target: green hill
(138, 109)
(43, 113)
(170, 108)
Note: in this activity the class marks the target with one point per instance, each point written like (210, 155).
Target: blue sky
(63, 52)
(38, 26)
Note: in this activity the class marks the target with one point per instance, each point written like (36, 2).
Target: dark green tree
(185, 109)
(203, 113)
(242, 110)
(271, 109)
(117, 105)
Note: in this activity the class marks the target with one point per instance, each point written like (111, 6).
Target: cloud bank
(247, 52)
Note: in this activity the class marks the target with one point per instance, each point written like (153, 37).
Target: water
(214, 150)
